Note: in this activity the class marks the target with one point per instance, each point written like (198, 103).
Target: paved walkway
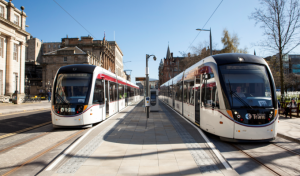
(289, 128)
(165, 144)
(12, 108)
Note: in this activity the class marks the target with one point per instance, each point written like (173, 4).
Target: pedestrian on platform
(49, 95)
(292, 104)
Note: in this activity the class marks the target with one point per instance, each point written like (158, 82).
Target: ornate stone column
(22, 68)
(9, 89)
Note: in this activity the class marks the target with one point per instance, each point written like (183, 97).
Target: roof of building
(75, 49)
(168, 56)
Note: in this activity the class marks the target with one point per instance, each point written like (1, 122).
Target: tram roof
(75, 68)
(228, 58)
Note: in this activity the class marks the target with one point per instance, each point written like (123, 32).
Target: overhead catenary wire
(204, 25)
(75, 19)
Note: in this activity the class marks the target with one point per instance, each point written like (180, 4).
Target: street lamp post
(209, 38)
(147, 79)
(16, 84)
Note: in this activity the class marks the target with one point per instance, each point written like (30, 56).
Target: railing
(292, 111)
(31, 99)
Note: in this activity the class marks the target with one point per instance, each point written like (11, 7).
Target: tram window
(185, 92)
(191, 97)
(112, 88)
(209, 90)
(128, 91)
(116, 92)
(98, 92)
(179, 91)
(121, 91)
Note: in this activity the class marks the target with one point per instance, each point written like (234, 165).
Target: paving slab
(7, 108)
(164, 144)
(289, 128)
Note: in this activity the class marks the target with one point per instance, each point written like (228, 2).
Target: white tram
(230, 95)
(87, 94)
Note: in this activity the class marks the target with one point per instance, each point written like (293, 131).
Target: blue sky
(145, 27)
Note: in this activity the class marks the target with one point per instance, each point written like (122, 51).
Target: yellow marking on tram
(197, 124)
(26, 129)
(24, 111)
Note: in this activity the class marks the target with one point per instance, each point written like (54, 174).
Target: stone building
(40, 70)
(50, 46)
(169, 67)
(52, 61)
(118, 58)
(100, 48)
(33, 67)
(13, 37)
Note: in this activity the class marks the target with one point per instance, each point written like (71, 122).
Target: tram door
(197, 100)
(107, 98)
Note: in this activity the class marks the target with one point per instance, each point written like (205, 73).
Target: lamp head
(154, 58)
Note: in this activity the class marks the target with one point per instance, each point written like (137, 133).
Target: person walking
(49, 95)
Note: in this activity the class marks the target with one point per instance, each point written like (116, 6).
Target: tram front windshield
(247, 85)
(72, 88)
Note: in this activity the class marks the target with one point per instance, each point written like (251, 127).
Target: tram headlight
(81, 108)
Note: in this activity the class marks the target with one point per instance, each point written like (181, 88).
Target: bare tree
(280, 21)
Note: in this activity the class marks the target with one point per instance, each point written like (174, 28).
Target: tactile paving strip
(74, 163)
(203, 161)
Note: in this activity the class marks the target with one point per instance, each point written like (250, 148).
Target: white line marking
(210, 144)
(52, 165)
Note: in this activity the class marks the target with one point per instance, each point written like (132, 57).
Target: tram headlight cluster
(69, 109)
(238, 116)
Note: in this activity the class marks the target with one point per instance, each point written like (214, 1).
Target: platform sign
(140, 78)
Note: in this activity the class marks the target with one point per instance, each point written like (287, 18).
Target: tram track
(261, 162)
(256, 160)
(40, 154)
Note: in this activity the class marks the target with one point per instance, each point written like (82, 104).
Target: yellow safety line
(197, 124)
(24, 142)
(41, 154)
(24, 111)
(26, 129)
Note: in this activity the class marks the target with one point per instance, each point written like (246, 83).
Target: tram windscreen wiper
(61, 99)
(240, 99)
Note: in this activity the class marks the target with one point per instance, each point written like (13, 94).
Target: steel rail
(271, 170)
(42, 153)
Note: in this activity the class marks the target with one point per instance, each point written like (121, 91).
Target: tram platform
(289, 128)
(130, 144)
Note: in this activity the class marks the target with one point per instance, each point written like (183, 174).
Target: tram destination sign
(140, 78)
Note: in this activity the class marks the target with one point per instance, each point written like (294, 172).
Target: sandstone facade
(13, 37)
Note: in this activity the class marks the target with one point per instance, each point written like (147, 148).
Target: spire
(168, 53)
(254, 53)
(104, 36)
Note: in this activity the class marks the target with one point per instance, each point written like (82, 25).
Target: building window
(37, 44)
(1, 47)
(65, 59)
(53, 46)
(15, 54)
(1, 11)
(49, 46)
(16, 19)
(58, 46)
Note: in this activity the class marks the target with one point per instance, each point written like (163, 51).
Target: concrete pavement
(131, 144)
(7, 108)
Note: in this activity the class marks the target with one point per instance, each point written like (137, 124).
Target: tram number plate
(67, 110)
